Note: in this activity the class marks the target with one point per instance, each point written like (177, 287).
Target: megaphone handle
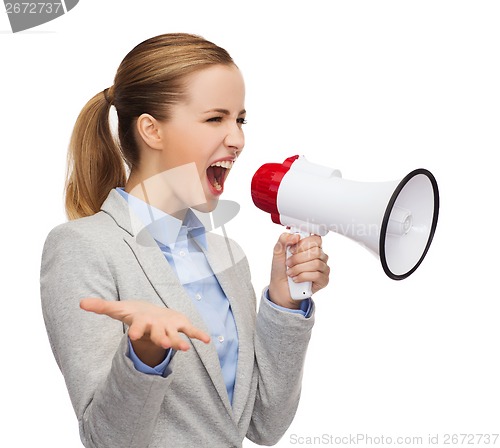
(303, 290)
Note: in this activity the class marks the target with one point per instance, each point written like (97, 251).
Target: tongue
(215, 173)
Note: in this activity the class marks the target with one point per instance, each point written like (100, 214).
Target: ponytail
(95, 162)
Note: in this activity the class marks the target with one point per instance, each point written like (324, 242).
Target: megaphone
(394, 220)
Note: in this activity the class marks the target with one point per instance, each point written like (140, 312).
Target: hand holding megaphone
(297, 261)
(394, 220)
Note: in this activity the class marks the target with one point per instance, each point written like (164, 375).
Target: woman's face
(203, 138)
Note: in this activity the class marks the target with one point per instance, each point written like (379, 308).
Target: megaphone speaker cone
(409, 224)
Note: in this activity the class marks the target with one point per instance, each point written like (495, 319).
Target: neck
(151, 191)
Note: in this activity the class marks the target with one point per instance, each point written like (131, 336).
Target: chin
(207, 207)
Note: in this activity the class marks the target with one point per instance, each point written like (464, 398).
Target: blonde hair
(150, 79)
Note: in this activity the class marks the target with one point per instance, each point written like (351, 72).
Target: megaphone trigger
(303, 290)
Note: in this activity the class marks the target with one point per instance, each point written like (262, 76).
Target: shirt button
(221, 339)
(182, 253)
(197, 296)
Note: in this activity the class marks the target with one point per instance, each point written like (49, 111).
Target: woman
(152, 320)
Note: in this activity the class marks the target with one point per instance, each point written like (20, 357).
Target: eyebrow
(224, 111)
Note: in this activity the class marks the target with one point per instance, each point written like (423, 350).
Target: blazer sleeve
(281, 342)
(116, 405)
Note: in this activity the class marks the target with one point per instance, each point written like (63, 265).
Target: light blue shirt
(181, 243)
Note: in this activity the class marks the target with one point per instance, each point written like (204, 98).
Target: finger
(285, 240)
(315, 265)
(307, 243)
(94, 305)
(176, 342)
(111, 308)
(314, 253)
(195, 333)
(321, 282)
(137, 329)
(319, 279)
(159, 337)
(119, 310)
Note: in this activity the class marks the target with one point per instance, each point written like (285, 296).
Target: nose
(235, 140)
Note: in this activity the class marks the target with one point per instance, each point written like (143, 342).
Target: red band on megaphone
(265, 185)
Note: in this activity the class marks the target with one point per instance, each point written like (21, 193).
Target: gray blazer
(106, 255)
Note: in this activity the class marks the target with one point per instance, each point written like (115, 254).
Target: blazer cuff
(288, 322)
(305, 309)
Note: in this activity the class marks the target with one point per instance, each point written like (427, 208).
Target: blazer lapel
(164, 281)
(222, 258)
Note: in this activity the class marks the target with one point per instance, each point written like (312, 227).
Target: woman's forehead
(216, 87)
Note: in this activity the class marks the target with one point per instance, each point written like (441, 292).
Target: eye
(214, 120)
(241, 121)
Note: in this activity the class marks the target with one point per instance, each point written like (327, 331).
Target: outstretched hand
(152, 329)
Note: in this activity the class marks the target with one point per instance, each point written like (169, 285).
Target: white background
(374, 88)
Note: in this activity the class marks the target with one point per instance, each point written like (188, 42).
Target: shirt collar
(165, 228)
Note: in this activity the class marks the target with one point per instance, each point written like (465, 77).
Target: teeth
(228, 164)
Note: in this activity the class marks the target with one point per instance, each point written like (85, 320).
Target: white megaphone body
(394, 220)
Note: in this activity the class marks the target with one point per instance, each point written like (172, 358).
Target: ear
(148, 129)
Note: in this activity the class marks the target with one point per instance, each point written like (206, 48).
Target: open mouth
(217, 173)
